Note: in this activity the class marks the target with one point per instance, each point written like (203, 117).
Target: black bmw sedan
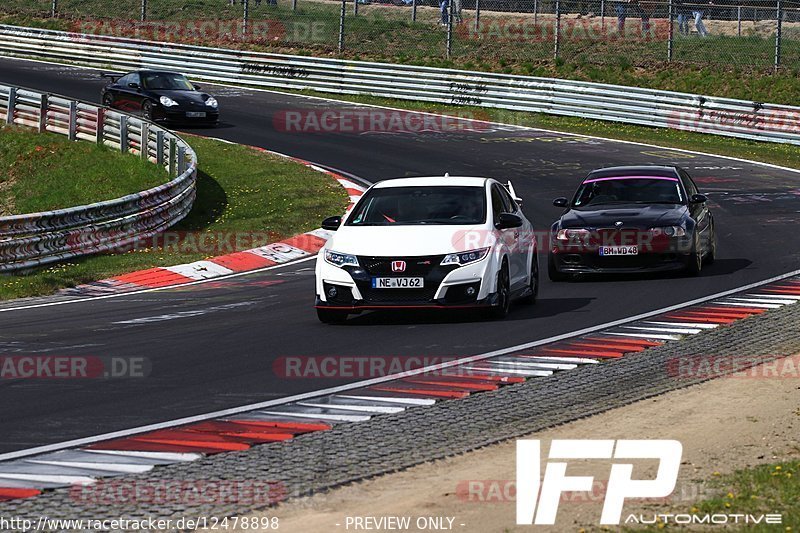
(632, 219)
(160, 96)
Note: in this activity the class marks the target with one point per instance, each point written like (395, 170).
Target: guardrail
(631, 105)
(31, 240)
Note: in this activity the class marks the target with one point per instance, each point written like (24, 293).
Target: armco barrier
(632, 105)
(31, 240)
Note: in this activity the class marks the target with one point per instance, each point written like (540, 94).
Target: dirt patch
(724, 425)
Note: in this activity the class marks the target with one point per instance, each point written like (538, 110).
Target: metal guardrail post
(449, 44)
(12, 104)
(341, 26)
(413, 10)
(72, 126)
(100, 126)
(739, 21)
(43, 105)
(181, 160)
(144, 10)
(123, 134)
(778, 36)
(144, 142)
(556, 34)
(671, 34)
(160, 147)
(172, 156)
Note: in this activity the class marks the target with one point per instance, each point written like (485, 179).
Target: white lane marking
(775, 296)
(647, 336)
(518, 371)
(577, 360)
(374, 381)
(757, 306)
(393, 399)
(361, 408)
(160, 456)
(64, 480)
(107, 467)
(682, 331)
(316, 416)
(524, 364)
(762, 300)
(683, 324)
(199, 270)
(186, 314)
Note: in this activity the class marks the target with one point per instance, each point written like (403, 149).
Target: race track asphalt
(215, 345)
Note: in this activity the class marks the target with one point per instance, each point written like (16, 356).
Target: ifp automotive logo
(540, 507)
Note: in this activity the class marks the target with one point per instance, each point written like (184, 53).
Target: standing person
(457, 12)
(444, 6)
(621, 8)
(682, 11)
(646, 10)
(698, 13)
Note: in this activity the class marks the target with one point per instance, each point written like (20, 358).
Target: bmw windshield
(629, 190)
(406, 206)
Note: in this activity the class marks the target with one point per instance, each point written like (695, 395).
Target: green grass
(720, 65)
(241, 194)
(39, 172)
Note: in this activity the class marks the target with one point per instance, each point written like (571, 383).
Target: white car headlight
(465, 258)
(669, 231)
(212, 102)
(166, 101)
(340, 260)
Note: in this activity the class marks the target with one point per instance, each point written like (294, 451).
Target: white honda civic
(428, 242)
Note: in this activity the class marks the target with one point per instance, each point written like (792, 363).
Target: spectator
(457, 12)
(621, 8)
(444, 5)
(683, 12)
(646, 10)
(698, 13)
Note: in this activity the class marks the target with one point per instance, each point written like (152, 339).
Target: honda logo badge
(398, 266)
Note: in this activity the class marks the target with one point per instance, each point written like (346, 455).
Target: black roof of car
(649, 170)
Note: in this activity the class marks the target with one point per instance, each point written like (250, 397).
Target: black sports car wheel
(108, 100)
(147, 110)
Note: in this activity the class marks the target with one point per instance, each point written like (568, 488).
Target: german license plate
(195, 114)
(619, 250)
(398, 283)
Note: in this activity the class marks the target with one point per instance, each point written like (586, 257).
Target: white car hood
(395, 241)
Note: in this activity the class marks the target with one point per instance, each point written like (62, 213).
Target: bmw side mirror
(560, 202)
(332, 223)
(133, 85)
(196, 87)
(508, 220)
(698, 199)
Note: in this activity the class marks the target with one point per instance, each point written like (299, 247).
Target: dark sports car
(160, 96)
(632, 219)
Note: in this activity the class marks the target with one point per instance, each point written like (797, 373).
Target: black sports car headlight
(212, 102)
(166, 101)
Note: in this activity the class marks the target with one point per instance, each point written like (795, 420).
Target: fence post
(477, 16)
(172, 156)
(739, 21)
(556, 39)
(144, 10)
(54, 9)
(413, 10)
(535, 11)
(245, 17)
(341, 26)
(778, 32)
(294, 5)
(123, 133)
(12, 103)
(181, 160)
(671, 34)
(603, 16)
(355, 7)
(100, 126)
(160, 147)
(144, 142)
(72, 128)
(450, 12)
(43, 105)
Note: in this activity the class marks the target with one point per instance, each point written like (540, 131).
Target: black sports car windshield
(628, 190)
(164, 81)
(406, 206)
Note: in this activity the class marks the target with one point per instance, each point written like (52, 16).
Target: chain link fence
(481, 34)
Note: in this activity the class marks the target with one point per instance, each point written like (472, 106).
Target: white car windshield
(403, 206)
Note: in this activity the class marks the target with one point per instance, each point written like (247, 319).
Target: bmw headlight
(166, 101)
(465, 258)
(572, 234)
(212, 102)
(669, 231)
(340, 260)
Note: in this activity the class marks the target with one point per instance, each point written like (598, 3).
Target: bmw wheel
(711, 254)
(694, 263)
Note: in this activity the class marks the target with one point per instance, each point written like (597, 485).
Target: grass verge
(245, 198)
(39, 172)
